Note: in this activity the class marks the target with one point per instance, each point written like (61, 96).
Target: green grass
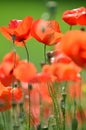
(18, 10)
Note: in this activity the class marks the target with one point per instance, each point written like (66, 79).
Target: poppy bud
(52, 7)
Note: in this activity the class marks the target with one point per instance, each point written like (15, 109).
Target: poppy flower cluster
(43, 92)
(19, 31)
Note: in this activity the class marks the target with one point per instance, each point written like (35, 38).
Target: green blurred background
(18, 9)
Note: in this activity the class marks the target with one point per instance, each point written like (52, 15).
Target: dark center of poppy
(13, 37)
(43, 29)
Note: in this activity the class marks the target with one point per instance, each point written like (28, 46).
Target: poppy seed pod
(52, 7)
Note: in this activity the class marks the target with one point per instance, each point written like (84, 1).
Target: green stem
(63, 104)
(3, 117)
(7, 116)
(74, 107)
(41, 113)
(74, 120)
(29, 103)
(27, 53)
(45, 59)
(70, 27)
(15, 118)
(63, 112)
(14, 64)
(56, 106)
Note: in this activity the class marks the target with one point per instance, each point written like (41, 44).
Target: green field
(18, 9)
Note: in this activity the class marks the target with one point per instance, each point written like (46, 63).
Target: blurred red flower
(47, 32)
(39, 93)
(5, 98)
(18, 31)
(17, 94)
(7, 67)
(75, 16)
(42, 77)
(73, 44)
(8, 62)
(25, 71)
(63, 69)
(66, 72)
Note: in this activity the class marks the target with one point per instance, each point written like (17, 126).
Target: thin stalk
(45, 59)
(74, 112)
(56, 106)
(14, 64)
(41, 113)
(8, 119)
(27, 53)
(63, 105)
(29, 104)
(74, 120)
(3, 118)
(63, 112)
(74, 107)
(15, 122)
(70, 27)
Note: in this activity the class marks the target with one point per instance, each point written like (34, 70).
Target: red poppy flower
(47, 69)
(6, 80)
(42, 78)
(8, 62)
(75, 16)
(6, 68)
(64, 68)
(47, 32)
(73, 44)
(61, 70)
(25, 71)
(5, 98)
(71, 70)
(10, 57)
(19, 31)
(17, 94)
(66, 72)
